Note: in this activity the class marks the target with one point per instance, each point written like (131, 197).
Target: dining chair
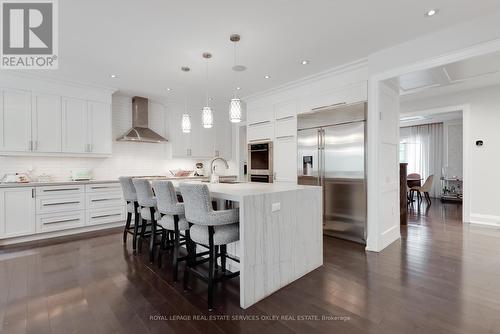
(424, 189)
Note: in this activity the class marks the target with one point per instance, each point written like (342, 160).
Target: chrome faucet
(212, 166)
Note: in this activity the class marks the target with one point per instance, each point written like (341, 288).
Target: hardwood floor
(442, 277)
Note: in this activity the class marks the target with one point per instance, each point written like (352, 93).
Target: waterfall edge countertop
(281, 234)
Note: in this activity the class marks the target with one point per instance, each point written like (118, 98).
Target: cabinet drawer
(60, 190)
(50, 204)
(59, 221)
(103, 187)
(260, 131)
(103, 200)
(286, 127)
(106, 215)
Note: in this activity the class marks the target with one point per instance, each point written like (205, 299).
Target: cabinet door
(17, 212)
(223, 138)
(203, 142)
(285, 152)
(181, 142)
(99, 120)
(75, 127)
(47, 123)
(16, 120)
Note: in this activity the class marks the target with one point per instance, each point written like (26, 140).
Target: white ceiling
(146, 42)
(468, 74)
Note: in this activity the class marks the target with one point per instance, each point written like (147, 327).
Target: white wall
(482, 124)
(128, 158)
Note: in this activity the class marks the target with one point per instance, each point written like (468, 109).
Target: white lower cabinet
(31, 210)
(17, 212)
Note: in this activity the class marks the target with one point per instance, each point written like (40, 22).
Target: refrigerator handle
(319, 156)
(323, 160)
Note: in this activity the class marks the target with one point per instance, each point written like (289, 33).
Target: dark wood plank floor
(442, 277)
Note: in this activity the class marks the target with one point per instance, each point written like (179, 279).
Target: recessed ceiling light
(431, 12)
(210, 99)
(169, 89)
(267, 76)
(238, 88)
(304, 62)
(114, 76)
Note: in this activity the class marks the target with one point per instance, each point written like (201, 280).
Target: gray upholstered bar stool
(130, 197)
(147, 202)
(172, 219)
(210, 228)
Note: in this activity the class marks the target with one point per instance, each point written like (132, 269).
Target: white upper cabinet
(39, 121)
(16, 120)
(75, 126)
(353, 93)
(46, 123)
(99, 128)
(200, 143)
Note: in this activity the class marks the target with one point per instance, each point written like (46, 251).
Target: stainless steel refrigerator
(331, 153)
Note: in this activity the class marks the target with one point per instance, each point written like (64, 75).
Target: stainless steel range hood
(140, 132)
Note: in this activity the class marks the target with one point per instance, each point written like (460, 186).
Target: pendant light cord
(234, 65)
(206, 81)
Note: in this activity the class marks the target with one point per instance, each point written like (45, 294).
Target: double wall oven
(260, 157)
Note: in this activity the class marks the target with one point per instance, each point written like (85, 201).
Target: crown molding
(357, 64)
(52, 80)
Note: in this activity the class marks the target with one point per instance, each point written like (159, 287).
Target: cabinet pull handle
(288, 136)
(262, 139)
(61, 221)
(285, 118)
(108, 215)
(32, 192)
(65, 189)
(259, 123)
(61, 203)
(31, 145)
(106, 199)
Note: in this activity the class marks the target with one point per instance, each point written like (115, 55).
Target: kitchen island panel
(278, 246)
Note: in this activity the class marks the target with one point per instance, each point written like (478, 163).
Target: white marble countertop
(69, 182)
(237, 191)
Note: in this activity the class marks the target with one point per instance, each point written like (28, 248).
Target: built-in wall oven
(260, 158)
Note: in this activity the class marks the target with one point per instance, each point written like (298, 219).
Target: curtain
(421, 147)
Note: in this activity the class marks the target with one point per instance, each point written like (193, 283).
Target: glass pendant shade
(186, 123)
(235, 110)
(207, 118)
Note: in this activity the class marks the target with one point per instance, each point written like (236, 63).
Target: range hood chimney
(140, 132)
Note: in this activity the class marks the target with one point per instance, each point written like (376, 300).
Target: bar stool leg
(191, 248)
(212, 259)
(223, 251)
(176, 248)
(152, 240)
(142, 235)
(127, 226)
(136, 228)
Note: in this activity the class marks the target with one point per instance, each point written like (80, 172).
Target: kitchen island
(280, 234)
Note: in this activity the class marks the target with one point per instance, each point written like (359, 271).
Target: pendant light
(207, 117)
(186, 119)
(235, 106)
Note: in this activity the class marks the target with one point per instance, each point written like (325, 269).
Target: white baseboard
(490, 220)
(386, 238)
